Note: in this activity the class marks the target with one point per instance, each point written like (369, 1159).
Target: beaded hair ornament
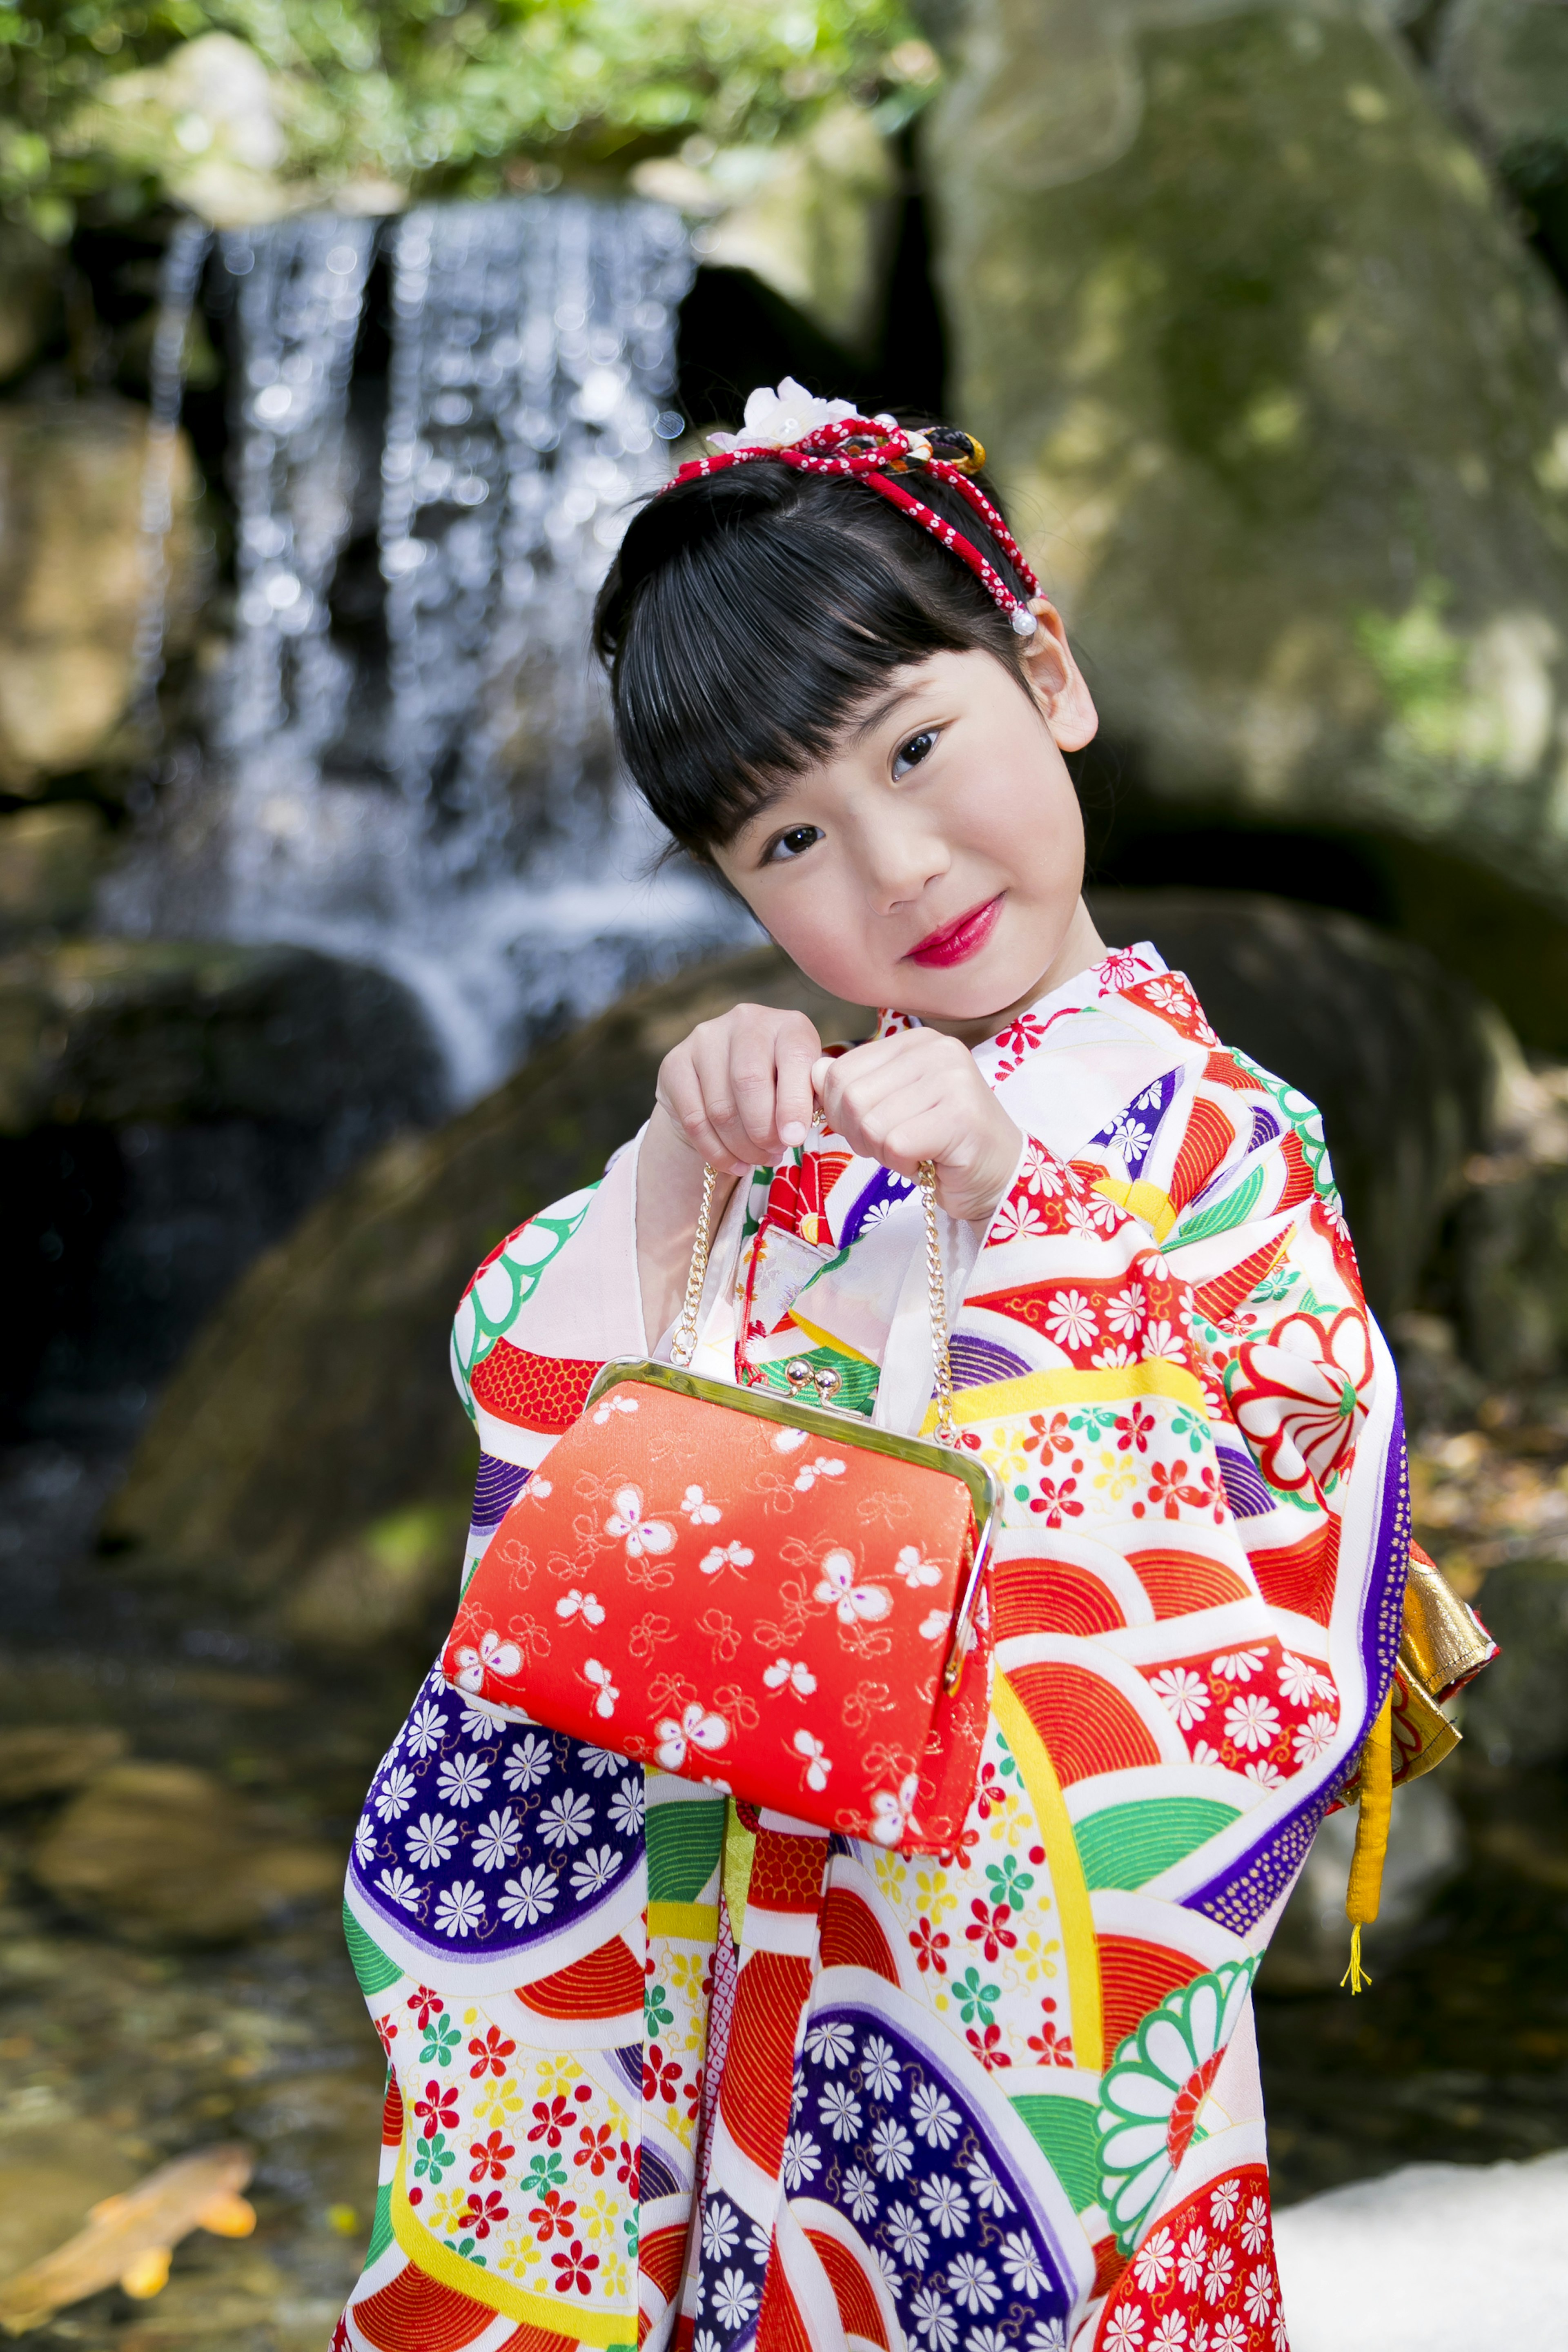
(789, 427)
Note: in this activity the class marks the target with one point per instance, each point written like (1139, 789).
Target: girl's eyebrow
(882, 709)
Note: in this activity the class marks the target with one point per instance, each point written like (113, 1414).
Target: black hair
(751, 613)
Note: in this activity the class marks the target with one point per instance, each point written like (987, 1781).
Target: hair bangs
(752, 613)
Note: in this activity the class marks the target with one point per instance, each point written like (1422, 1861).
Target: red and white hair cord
(874, 450)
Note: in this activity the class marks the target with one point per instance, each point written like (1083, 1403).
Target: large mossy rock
(1280, 401)
(309, 1460)
(104, 1032)
(74, 574)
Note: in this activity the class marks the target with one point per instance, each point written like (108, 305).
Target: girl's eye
(919, 747)
(792, 843)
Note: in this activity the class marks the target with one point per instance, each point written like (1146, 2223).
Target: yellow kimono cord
(1366, 1888)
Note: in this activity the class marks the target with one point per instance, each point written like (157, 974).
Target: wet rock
(49, 1760)
(1281, 401)
(1512, 1235)
(51, 860)
(105, 1032)
(1311, 1947)
(1404, 1062)
(1438, 1389)
(29, 296)
(318, 1401)
(813, 217)
(1517, 1712)
(163, 1854)
(1503, 66)
(72, 583)
(392, 1579)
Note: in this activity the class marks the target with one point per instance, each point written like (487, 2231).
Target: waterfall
(438, 795)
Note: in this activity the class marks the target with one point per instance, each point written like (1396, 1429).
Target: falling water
(455, 817)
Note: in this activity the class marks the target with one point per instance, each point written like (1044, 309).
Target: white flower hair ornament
(790, 427)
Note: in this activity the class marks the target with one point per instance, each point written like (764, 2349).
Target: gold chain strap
(683, 1345)
(936, 1293)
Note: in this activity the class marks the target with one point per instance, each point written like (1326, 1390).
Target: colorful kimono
(664, 2068)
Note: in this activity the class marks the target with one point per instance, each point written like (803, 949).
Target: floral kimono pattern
(666, 2070)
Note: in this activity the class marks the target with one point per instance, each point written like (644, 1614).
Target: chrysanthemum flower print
(1235, 1709)
(1071, 1320)
(1183, 1695)
(906, 2235)
(1252, 1721)
(944, 2205)
(1126, 1309)
(527, 1762)
(462, 1780)
(497, 1839)
(1154, 2261)
(1310, 1738)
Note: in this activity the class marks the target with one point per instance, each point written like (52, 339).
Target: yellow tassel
(1365, 1889)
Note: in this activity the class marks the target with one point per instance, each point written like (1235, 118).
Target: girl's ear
(1056, 680)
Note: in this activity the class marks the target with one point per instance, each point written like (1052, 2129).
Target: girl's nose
(901, 860)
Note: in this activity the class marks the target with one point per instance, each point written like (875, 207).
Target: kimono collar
(1121, 968)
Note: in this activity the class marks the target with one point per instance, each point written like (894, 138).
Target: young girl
(663, 2068)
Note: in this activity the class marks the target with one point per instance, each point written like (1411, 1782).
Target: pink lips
(956, 942)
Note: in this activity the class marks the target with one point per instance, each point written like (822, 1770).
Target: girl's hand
(918, 1095)
(737, 1093)
(738, 1090)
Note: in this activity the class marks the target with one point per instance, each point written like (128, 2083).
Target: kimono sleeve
(1227, 1255)
(544, 1312)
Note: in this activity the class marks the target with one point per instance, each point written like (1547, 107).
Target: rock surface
(813, 217)
(1517, 1713)
(29, 296)
(315, 1413)
(1512, 1258)
(51, 860)
(106, 1031)
(1282, 404)
(44, 1761)
(163, 1854)
(73, 576)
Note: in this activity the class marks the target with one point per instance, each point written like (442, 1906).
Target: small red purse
(767, 1596)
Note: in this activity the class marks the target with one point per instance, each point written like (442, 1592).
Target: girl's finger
(680, 1091)
(710, 1048)
(795, 1055)
(737, 1078)
(908, 1123)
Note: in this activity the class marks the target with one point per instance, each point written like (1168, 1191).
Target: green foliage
(440, 96)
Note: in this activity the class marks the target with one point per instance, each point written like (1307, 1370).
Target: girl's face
(935, 862)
